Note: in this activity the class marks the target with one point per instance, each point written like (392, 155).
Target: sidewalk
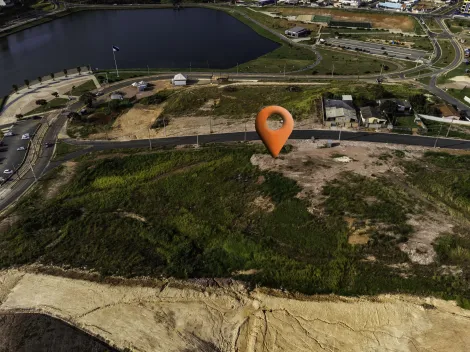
(24, 101)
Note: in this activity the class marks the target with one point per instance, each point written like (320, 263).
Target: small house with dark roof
(371, 117)
(339, 113)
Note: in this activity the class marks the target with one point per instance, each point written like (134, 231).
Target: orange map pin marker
(274, 140)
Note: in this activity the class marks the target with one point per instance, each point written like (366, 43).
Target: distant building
(265, 2)
(297, 32)
(448, 112)
(179, 80)
(339, 113)
(391, 6)
(465, 8)
(403, 105)
(117, 96)
(351, 3)
(6, 3)
(372, 118)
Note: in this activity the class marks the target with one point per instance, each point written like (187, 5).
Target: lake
(159, 38)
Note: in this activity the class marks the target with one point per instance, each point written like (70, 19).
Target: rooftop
(370, 111)
(297, 29)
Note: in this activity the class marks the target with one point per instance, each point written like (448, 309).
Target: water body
(160, 38)
(38, 332)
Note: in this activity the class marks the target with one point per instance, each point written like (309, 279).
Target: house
(6, 3)
(339, 113)
(403, 106)
(179, 80)
(448, 112)
(141, 86)
(372, 118)
(117, 96)
(352, 3)
(297, 32)
(465, 8)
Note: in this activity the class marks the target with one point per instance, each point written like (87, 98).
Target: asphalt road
(374, 48)
(10, 158)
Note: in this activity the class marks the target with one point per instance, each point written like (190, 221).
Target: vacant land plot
(293, 227)
(378, 20)
(350, 63)
(432, 25)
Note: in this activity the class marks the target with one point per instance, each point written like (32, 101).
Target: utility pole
(164, 127)
(150, 141)
(197, 140)
(244, 138)
(332, 70)
(237, 68)
(448, 130)
(148, 70)
(190, 66)
(339, 138)
(210, 124)
(435, 142)
(284, 69)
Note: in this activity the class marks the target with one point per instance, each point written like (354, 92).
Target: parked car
(20, 148)
(37, 117)
(48, 145)
(8, 171)
(2, 180)
(99, 93)
(8, 134)
(25, 136)
(83, 112)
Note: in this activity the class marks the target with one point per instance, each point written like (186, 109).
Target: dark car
(37, 117)
(48, 145)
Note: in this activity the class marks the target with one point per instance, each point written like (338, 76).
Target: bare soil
(176, 316)
(378, 20)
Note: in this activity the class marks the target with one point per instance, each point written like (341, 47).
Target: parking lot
(10, 156)
(379, 49)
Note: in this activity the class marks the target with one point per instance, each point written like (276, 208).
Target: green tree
(15, 88)
(26, 82)
(40, 79)
(55, 94)
(79, 70)
(65, 72)
(389, 108)
(41, 102)
(88, 98)
(74, 115)
(113, 105)
(52, 76)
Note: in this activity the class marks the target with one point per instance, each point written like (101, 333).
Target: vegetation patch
(56, 103)
(82, 88)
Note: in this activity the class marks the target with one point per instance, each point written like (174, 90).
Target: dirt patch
(312, 166)
(135, 216)
(358, 238)
(264, 203)
(175, 316)
(378, 20)
(427, 228)
(63, 177)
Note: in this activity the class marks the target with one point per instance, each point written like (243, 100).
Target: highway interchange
(45, 164)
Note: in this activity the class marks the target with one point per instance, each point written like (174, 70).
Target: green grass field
(62, 149)
(432, 25)
(83, 88)
(56, 103)
(192, 213)
(457, 25)
(422, 43)
(448, 53)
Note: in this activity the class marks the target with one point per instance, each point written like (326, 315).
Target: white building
(179, 80)
(6, 3)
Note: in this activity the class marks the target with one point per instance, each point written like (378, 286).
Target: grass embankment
(82, 88)
(287, 56)
(442, 129)
(458, 71)
(62, 149)
(448, 53)
(193, 214)
(57, 103)
(432, 25)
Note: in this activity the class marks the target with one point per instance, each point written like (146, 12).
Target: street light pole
(435, 142)
(150, 141)
(448, 130)
(32, 170)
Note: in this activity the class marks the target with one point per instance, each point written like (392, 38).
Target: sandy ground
(25, 100)
(170, 316)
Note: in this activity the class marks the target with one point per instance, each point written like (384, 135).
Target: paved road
(9, 156)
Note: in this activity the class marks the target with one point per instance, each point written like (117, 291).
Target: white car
(8, 171)
(8, 134)
(20, 149)
(25, 136)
